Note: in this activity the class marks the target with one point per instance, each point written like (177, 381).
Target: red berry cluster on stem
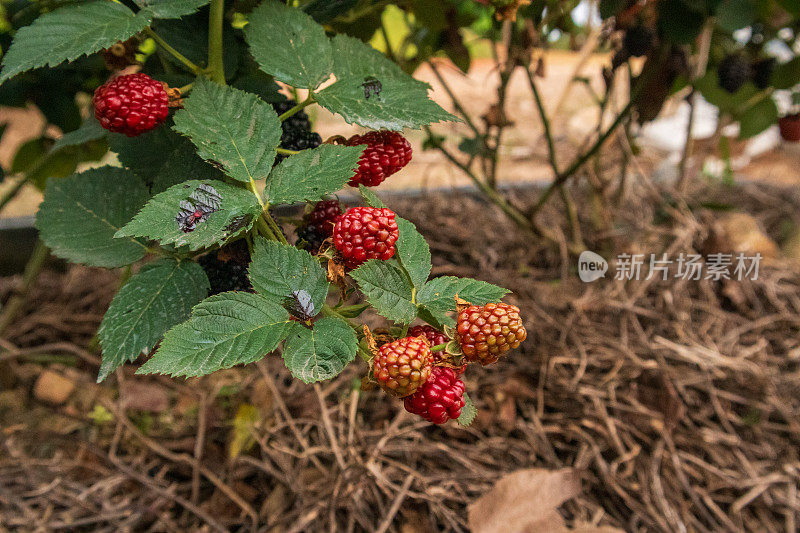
(402, 366)
(131, 104)
(364, 233)
(385, 154)
(487, 332)
(439, 399)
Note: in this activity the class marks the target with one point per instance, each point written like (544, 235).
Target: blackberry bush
(191, 209)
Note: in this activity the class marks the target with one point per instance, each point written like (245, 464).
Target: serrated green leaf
(174, 162)
(387, 288)
(231, 127)
(413, 252)
(276, 270)
(322, 352)
(289, 45)
(370, 198)
(401, 102)
(90, 130)
(70, 32)
(81, 213)
(311, 174)
(758, 118)
(237, 210)
(468, 412)
(224, 330)
(156, 298)
(168, 9)
(437, 297)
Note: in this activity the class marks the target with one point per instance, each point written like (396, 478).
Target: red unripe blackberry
(434, 336)
(487, 332)
(131, 104)
(364, 233)
(402, 366)
(386, 153)
(324, 216)
(439, 399)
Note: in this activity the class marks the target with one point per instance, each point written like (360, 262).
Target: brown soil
(676, 400)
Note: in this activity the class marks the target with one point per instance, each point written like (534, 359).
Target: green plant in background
(200, 183)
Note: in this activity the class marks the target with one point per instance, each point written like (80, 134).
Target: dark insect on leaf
(299, 304)
(204, 201)
(372, 86)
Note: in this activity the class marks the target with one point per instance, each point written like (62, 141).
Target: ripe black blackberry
(226, 268)
(310, 238)
(638, 40)
(733, 72)
(762, 72)
(297, 134)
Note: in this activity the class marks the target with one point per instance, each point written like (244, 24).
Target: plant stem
(32, 271)
(274, 225)
(216, 19)
(13, 191)
(438, 347)
(299, 107)
(174, 53)
(548, 134)
(284, 151)
(453, 98)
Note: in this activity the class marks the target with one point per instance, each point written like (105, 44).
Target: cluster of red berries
(427, 381)
(386, 153)
(131, 104)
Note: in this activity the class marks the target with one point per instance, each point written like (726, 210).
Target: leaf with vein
(311, 174)
(322, 352)
(289, 45)
(277, 270)
(237, 211)
(413, 252)
(224, 330)
(231, 127)
(81, 213)
(159, 296)
(70, 32)
(387, 288)
(438, 296)
(168, 9)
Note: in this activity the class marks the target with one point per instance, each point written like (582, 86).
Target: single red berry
(365, 233)
(439, 399)
(324, 216)
(386, 153)
(487, 332)
(402, 366)
(131, 104)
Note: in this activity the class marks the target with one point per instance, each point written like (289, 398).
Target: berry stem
(438, 347)
(215, 24)
(174, 53)
(273, 225)
(296, 109)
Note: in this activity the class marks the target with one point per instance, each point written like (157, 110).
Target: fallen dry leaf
(526, 501)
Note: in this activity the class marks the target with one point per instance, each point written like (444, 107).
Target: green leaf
(81, 213)
(90, 130)
(678, 23)
(387, 288)
(224, 330)
(468, 412)
(437, 297)
(236, 129)
(758, 118)
(278, 269)
(413, 252)
(402, 101)
(236, 211)
(189, 36)
(311, 174)
(289, 45)
(370, 198)
(787, 75)
(322, 352)
(174, 162)
(158, 297)
(70, 32)
(169, 9)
